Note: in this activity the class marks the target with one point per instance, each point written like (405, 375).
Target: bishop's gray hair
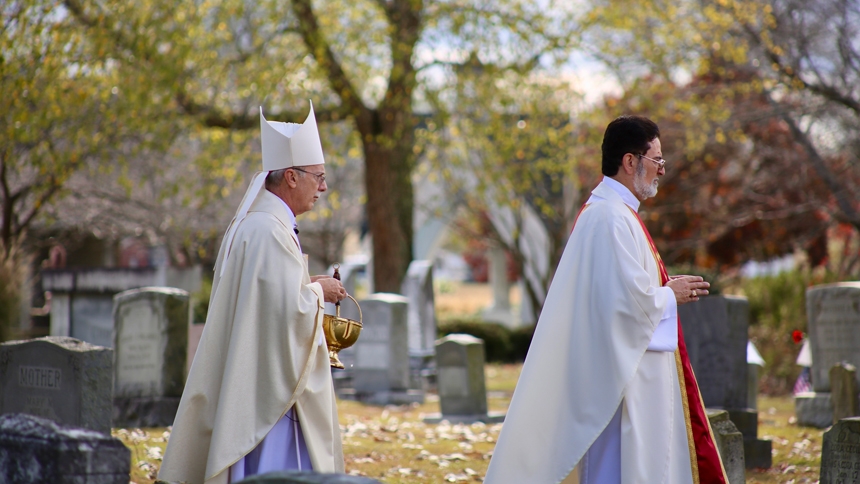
(275, 177)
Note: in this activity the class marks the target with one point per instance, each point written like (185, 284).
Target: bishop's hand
(688, 288)
(333, 290)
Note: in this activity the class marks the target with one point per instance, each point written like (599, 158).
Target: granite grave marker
(843, 391)
(417, 287)
(730, 444)
(833, 328)
(151, 348)
(35, 450)
(500, 312)
(59, 378)
(381, 368)
(840, 454)
(716, 334)
(833, 312)
(462, 388)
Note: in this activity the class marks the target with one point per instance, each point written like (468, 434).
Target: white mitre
(284, 145)
(290, 144)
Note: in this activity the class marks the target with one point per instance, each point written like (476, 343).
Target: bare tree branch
(212, 117)
(321, 50)
(821, 168)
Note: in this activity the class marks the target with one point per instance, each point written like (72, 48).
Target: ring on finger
(694, 293)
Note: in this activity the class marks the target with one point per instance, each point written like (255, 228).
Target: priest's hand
(333, 290)
(688, 288)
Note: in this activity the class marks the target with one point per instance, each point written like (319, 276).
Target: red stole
(707, 466)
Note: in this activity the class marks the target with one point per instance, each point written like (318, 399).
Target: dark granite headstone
(151, 347)
(60, 378)
(813, 409)
(730, 444)
(716, 333)
(840, 454)
(305, 477)
(843, 391)
(35, 450)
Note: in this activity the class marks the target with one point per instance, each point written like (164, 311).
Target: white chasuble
(258, 357)
(589, 370)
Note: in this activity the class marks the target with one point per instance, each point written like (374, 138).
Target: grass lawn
(393, 444)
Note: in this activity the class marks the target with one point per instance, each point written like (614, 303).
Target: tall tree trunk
(388, 184)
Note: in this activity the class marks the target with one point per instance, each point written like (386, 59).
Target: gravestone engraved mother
(59, 378)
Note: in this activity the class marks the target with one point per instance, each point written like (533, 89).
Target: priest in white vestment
(259, 395)
(606, 394)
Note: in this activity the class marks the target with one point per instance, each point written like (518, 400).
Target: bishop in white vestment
(259, 395)
(604, 396)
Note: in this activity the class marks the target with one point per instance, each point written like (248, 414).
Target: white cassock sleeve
(666, 335)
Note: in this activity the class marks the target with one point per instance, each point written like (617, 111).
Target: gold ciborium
(340, 333)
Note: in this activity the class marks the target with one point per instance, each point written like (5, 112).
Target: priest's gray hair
(275, 177)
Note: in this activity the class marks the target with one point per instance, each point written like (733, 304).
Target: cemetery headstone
(500, 312)
(813, 409)
(843, 391)
(151, 348)
(306, 477)
(833, 312)
(35, 450)
(417, 287)
(840, 454)
(462, 389)
(833, 328)
(59, 378)
(716, 334)
(381, 368)
(730, 444)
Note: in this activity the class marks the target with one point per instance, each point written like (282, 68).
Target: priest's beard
(643, 188)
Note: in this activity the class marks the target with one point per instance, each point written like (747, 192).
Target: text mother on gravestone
(259, 395)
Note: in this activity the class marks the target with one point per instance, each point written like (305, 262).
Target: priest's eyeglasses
(660, 163)
(319, 176)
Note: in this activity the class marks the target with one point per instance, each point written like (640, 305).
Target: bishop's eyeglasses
(319, 176)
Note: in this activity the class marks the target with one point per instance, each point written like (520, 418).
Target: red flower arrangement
(797, 336)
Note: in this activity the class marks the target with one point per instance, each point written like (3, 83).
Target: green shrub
(200, 301)
(497, 338)
(521, 339)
